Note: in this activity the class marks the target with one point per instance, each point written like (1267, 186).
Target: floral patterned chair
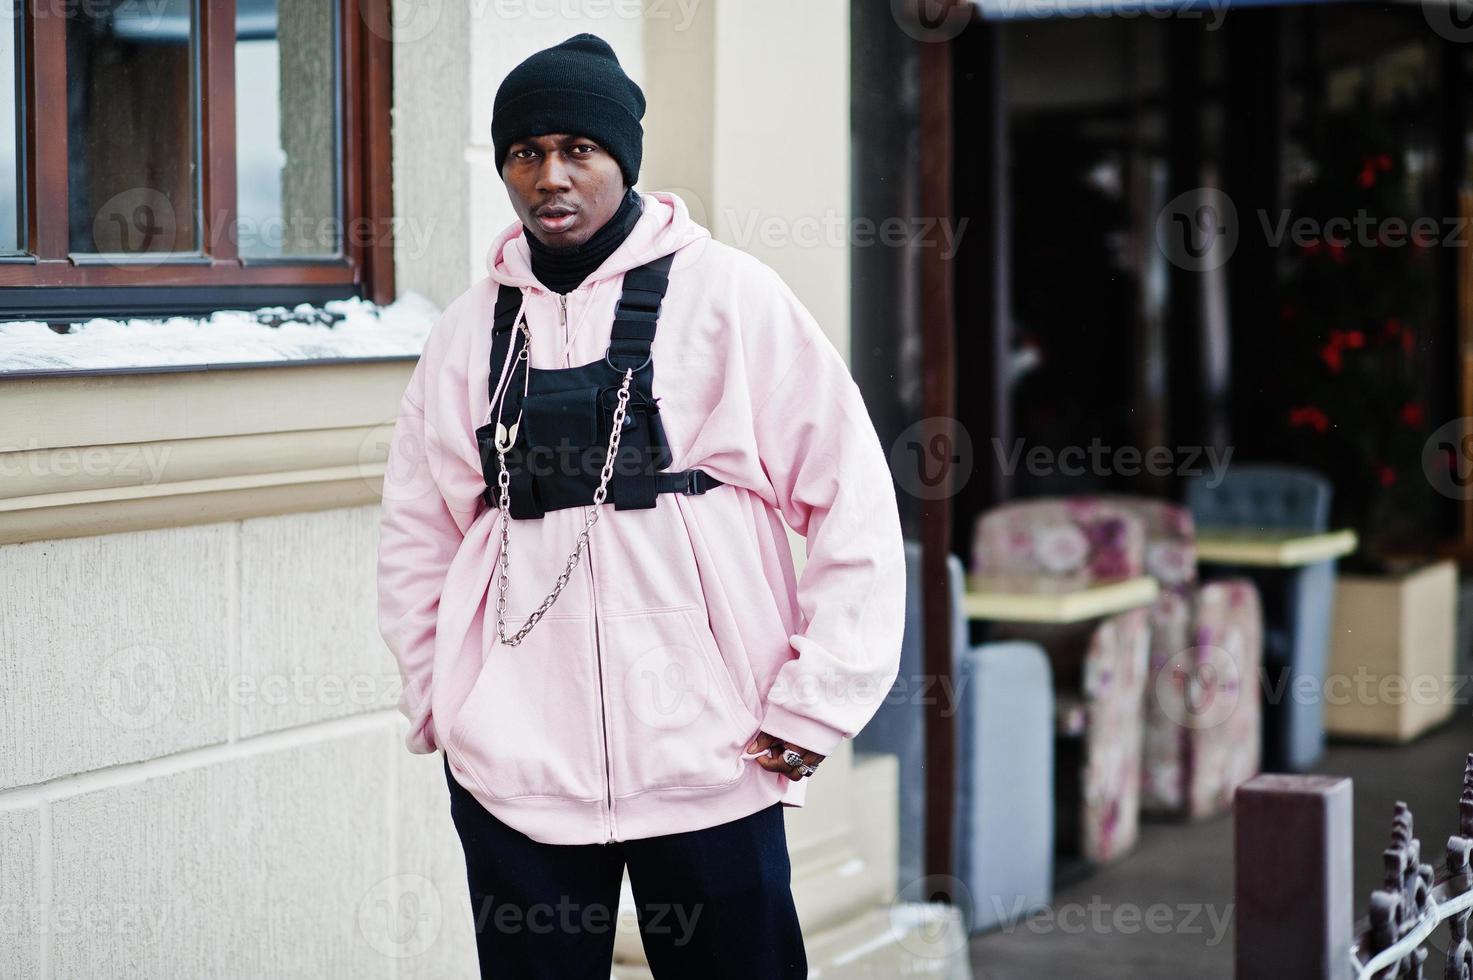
(1099, 665)
(1203, 712)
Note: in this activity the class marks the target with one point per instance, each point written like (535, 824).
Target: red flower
(1413, 414)
(1339, 340)
(1309, 415)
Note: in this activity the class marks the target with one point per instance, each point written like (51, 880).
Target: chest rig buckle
(568, 413)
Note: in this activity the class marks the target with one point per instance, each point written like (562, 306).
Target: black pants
(711, 903)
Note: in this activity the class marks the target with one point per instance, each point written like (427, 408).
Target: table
(1003, 604)
(1272, 550)
(1047, 600)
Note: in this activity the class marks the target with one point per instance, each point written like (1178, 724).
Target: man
(672, 682)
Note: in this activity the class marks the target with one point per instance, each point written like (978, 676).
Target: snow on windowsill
(335, 331)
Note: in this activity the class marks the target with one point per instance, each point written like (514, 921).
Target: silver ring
(636, 370)
(795, 760)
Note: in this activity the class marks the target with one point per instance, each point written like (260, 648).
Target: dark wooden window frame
(46, 281)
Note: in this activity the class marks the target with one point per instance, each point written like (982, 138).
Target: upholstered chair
(1099, 665)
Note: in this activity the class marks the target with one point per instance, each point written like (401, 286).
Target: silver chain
(504, 440)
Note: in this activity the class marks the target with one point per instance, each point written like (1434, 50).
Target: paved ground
(1166, 910)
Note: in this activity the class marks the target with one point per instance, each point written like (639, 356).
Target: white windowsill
(229, 339)
(129, 426)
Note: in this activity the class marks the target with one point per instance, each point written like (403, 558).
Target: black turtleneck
(563, 269)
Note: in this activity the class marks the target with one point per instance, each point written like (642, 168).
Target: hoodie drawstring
(506, 365)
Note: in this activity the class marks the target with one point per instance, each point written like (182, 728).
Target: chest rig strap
(637, 312)
(642, 441)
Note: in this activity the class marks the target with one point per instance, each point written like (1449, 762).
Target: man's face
(564, 188)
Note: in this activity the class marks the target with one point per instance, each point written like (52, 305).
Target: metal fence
(1292, 863)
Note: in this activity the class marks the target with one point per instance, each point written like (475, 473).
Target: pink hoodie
(626, 711)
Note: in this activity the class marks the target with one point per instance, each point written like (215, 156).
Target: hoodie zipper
(562, 301)
(602, 711)
(597, 647)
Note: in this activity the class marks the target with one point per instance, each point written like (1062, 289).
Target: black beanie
(576, 87)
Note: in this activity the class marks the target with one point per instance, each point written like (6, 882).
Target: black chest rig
(559, 451)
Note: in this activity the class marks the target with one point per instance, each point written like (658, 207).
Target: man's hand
(771, 759)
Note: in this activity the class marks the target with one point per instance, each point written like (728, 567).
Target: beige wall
(782, 146)
(203, 773)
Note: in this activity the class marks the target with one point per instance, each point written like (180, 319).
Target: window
(285, 144)
(9, 135)
(184, 156)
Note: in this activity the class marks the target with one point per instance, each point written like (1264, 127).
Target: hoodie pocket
(530, 725)
(675, 717)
